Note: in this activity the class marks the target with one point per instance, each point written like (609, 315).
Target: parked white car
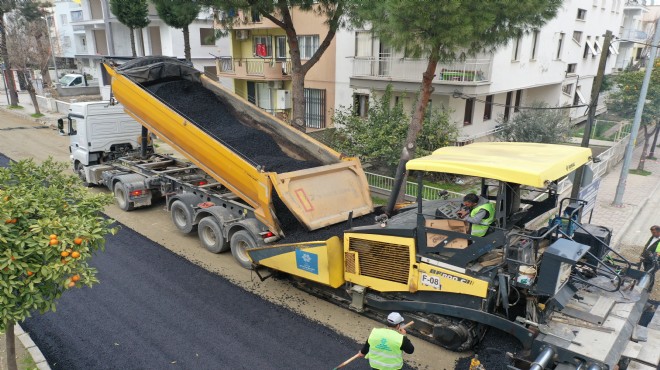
(73, 79)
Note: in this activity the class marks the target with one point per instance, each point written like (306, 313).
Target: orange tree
(50, 226)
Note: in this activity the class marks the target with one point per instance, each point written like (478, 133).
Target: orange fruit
(13, 258)
(7, 198)
(77, 241)
(75, 277)
(75, 254)
(8, 221)
(64, 254)
(53, 236)
(54, 242)
(72, 284)
(30, 273)
(14, 220)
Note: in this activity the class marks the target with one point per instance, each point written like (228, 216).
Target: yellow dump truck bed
(319, 196)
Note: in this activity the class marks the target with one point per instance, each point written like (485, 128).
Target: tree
(35, 11)
(377, 138)
(279, 12)
(179, 14)
(133, 14)
(623, 101)
(6, 7)
(446, 30)
(540, 124)
(50, 226)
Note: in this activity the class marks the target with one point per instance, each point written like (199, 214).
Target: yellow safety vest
(482, 228)
(385, 349)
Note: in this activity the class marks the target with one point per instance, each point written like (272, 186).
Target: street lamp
(52, 50)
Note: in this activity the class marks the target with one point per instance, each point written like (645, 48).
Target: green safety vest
(385, 349)
(482, 229)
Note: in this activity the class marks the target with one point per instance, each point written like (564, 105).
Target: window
(516, 49)
(571, 68)
(308, 46)
(262, 46)
(206, 36)
(488, 108)
(76, 16)
(595, 3)
(315, 108)
(507, 107)
(603, 4)
(280, 43)
(560, 45)
(63, 19)
(211, 71)
(518, 99)
(590, 46)
(469, 108)
(577, 36)
(613, 49)
(597, 46)
(535, 44)
(363, 43)
(567, 89)
(256, 17)
(361, 105)
(581, 14)
(579, 99)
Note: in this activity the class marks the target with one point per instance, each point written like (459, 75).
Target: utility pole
(52, 50)
(627, 158)
(593, 105)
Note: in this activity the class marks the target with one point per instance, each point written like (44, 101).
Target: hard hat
(394, 318)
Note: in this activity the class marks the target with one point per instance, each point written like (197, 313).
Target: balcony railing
(630, 34)
(259, 67)
(406, 69)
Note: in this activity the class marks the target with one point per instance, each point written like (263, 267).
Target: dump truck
(225, 188)
(559, 288)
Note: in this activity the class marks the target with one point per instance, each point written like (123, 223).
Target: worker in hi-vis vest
(385, 346)
(479, 212)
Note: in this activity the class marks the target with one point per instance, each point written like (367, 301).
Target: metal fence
(386, 183)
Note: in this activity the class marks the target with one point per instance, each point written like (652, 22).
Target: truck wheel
(80, 171)
(182, 216)
(121, 197)
(241, 241)
(210, 234)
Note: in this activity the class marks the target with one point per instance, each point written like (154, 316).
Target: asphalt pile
(208, 112)
(492, 350)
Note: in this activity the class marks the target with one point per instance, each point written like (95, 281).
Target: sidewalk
(28, 109)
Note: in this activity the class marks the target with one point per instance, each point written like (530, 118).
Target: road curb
(626, 225)
(22, 114)
(34, 351)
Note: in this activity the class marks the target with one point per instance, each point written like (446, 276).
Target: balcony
(470, 72)
(635, 6)
(633, 35)
(254, 68)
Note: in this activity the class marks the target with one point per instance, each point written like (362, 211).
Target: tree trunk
(186, 43)
(297, 80)
(642, 158)
(10, 342)
(4, 53)
(45, 74)
(655, 141)
(132, 35)
(24, 76)
(415, 127)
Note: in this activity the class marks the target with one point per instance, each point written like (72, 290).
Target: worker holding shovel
(385, 346)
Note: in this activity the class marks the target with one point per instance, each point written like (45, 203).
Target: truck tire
(210, 234)
(121, 197)
(80, 171)
(241, 241)
(182, 216)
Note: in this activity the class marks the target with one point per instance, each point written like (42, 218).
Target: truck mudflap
(306, 193)
(320, 261)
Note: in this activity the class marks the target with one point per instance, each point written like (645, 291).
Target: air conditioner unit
(275, 85)
(283, 99)
(242, 34)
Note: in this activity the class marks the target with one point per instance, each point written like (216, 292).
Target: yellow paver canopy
(530, 164)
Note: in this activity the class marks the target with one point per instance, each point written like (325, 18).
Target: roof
(530, 164)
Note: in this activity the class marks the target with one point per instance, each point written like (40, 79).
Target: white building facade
(555, 65)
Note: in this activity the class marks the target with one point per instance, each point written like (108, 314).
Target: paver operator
(479, 212)
(385, 346)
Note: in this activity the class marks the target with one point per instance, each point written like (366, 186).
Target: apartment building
(258, 61)
(633, 34)
(98, 33)
(555, 64)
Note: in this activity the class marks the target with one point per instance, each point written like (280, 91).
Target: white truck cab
(98, 132)
(73, 79)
